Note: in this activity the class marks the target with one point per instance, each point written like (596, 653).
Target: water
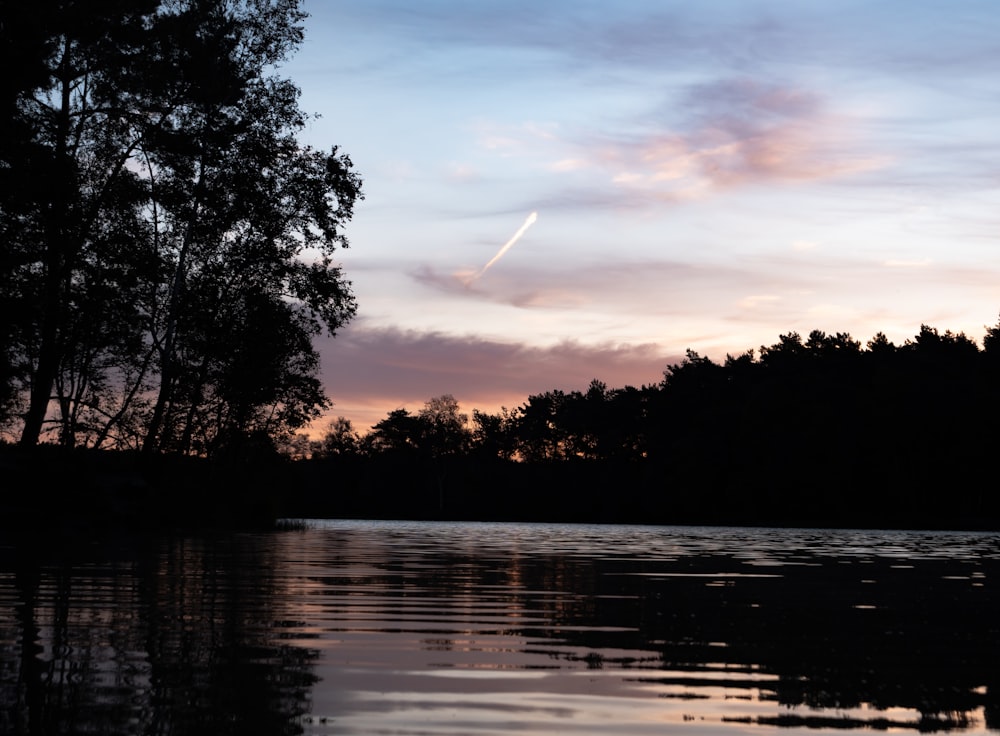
(417, 628)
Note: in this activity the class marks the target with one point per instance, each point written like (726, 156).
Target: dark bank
(820, 433)
(814, 432)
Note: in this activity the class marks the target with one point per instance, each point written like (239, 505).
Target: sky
(704, 175)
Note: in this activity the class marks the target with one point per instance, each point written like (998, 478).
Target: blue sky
(705, 175)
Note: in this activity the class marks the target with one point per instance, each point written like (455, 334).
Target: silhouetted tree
(624, 424)
(75, 123)
(991, 340)
(784, 354)
(828, 346)
(443, 427)
(821, 431)
(164, 204)
(495, 435)
(539, 432)
(444, 437)
(400, 432)
(340, 439)
(241, 202)
(880, 345)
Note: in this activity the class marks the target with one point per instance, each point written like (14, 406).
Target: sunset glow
(711, 176)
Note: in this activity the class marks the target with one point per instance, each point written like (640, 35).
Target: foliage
(339, 439)
(443, 427)
(169, 242)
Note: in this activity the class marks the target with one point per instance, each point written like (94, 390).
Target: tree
(823, 345)
(695, 373)
(540, 435)
(183, 190)
(248, 195)
(785, 354)
(444, 436)
(443, 427)
(399, 433)
(495, 435)
(242, 203)
(427, 442)
(438, 430)
(880, 345)
(66, 181)
(991, 340)
(340, 439)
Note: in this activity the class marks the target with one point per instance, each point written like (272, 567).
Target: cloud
(640, 35)
(580, 36)
(616, 285)
(459, 282)
(568, 164)
(370, 371)
(518, 287)
(462, 173)
(738, 132)
(758, 300)
(697, 141)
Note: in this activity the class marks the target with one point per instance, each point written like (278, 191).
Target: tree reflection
(832, 642)
(194, 636)
(180, 639)
(838, 640)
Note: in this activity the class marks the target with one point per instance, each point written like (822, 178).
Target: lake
(353, 627)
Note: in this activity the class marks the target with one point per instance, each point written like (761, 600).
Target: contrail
(506, 247)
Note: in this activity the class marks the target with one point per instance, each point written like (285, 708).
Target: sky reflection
(416, 628)
(625, 629)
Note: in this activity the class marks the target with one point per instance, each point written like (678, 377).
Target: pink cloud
(737, 132)
(369, 372)
(660, 287)
(707, 138)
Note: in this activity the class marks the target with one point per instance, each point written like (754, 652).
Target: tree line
(166, 243)
(820, 430)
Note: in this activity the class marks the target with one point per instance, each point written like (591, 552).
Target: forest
(820, 431)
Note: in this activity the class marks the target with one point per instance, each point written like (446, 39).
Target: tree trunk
(167, 361)
(55, 272)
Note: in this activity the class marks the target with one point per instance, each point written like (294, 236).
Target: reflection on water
(416, 628)
(170, 638)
